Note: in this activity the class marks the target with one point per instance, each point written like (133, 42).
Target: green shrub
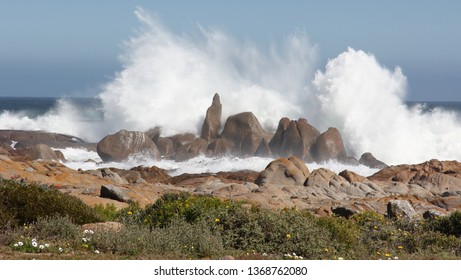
(26, 202)
(182, 205)
(449, 225)
(178, 239)
(55, 228)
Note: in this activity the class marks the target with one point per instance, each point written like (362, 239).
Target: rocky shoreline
(432, 188)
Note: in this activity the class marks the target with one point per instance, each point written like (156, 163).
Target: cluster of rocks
(33, 145)
(426, 190)
(242, 135)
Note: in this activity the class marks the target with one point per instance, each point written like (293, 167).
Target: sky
(71, 48)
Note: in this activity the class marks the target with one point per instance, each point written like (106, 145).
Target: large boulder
(212, 123)
(245, 133)
(125, 144)
(294, 138)
(284, 171)
(329, 145)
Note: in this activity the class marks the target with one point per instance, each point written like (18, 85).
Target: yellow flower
(392, 233)
(130, 213)
(400, 247)
(288, 236)
(387, 255)
(378, 253)
(375, 227)
(217, 220)
(326, 250)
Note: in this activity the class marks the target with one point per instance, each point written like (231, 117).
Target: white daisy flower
(34, 243)
(20, 243)
(41, 247)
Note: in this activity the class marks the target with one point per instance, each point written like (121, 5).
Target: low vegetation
(38, 221)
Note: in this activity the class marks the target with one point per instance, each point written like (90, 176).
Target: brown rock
(284, 171)
(154, 133)
(352, 177)
(152, 174)
(276, 141)
(245, 133)
(38, 152)
(329, 145)
(400, 209)
(27, 139)
(165, 147)
(309, 135)
(212, 123)
(294, 138)
(369, 160)
(448, 203)
(125, 144)
(193, 149)
(220, 147)
(182, 139)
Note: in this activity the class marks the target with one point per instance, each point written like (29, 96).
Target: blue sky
(69, 48)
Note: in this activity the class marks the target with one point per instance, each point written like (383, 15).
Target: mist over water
(169, 79)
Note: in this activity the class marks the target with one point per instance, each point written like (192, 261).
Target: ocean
(91, 111)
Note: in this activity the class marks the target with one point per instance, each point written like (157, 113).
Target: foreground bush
(23, 202)
(183, 226)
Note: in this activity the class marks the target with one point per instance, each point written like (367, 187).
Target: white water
(169, 79)
(78, 159)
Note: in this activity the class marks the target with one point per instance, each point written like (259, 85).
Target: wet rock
(125, 144)
(245, 133)
(191, 150)
(294, 138)
(182, 139)
(165, 147)
(329, 146)
(220, 147)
